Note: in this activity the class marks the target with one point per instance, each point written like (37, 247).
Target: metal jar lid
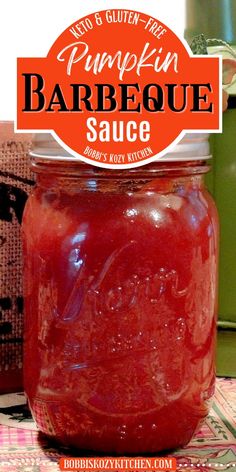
(194, 146)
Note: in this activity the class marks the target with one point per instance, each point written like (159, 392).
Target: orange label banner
(118, 463)
(117, 88)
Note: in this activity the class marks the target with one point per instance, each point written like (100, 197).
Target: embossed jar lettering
(136, 289)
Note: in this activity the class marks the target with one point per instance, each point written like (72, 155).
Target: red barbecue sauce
(120, 302)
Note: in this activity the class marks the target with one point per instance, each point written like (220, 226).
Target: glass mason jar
(120, 301)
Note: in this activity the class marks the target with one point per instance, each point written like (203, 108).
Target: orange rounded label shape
(117, 89)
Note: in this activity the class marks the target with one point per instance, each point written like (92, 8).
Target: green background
(222, 184)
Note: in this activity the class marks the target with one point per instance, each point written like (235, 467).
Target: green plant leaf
(199, 45)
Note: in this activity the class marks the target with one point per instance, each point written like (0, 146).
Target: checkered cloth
(212, 449)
